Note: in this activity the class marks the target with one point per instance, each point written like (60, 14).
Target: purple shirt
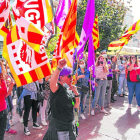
(110, 70)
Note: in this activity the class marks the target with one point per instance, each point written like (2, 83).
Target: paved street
(120, 124)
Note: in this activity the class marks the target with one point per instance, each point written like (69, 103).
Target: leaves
(111, 18)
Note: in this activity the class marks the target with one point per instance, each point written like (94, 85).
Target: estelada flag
(95, 34)
(26, 65)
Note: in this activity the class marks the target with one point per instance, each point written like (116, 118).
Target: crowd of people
(66, 91)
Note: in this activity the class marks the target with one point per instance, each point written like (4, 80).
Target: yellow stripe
(68, 62)
(39, 73)
(36, 47)
(15, 76)
(49, 11)
(114, 48)
(28, 77)
(14, 34)
(32, 28)
(2, 33)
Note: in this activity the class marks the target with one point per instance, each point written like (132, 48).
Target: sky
(135, 9)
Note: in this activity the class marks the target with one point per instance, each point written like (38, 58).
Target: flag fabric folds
(29, 33)
(95, 34)
(87, 26)
(26, 65)
(38, 12)
(120, 42)
(4, 11)
(68, 34)
(91, 55)
(62, 12)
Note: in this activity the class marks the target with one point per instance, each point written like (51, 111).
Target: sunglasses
(69, 76)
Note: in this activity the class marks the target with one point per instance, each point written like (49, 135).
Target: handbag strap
(36, 86)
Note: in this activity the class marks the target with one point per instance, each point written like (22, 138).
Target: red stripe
(116, 45)
(33, 75)
(134, 26)
(95, 34)
(34, 37)
(22, 79)
(5, 29)
(17, 33)
(95, 22)
(1, 19)
(8, 38)
(95, 28)
(72, 24)
(45, 69)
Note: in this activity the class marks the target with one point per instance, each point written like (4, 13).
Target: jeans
(122, 84)
(3, 120)
(109, 91)
(100, 92)
(9, 117)
(83, 97)
(19, 92)
(63, 135)
(134, 87)
(28, 104)
(14, 90)
(114, 88)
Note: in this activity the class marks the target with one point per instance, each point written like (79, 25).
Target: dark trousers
(28, 103)
(3, 120)
(114, 88)
(19, 92)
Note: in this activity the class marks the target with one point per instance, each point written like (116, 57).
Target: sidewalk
(120, 124)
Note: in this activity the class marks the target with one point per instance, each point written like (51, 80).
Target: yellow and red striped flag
(26, 65)
(120, 42)
(95, 34)
(68, 34)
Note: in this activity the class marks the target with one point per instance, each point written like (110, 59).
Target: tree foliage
(52, 44)
(110, 16)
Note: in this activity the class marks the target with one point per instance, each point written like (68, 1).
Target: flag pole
(90, 92)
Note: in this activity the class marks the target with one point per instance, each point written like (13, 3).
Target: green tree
(52, 44)
(110, 16)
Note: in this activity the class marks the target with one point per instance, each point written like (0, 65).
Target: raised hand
(62, 63)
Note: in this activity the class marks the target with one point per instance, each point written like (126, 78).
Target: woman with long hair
(3, 95)
(132, 82)
(101, 72)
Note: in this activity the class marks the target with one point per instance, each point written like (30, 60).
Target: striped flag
(68, 32)
(123, 40)
(29, 33)
(25, 64)
(4, 11)
(95, 34)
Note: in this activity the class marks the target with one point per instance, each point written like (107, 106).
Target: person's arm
(54, 77)
(121, 67)
(131, 67)
(77, 96)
